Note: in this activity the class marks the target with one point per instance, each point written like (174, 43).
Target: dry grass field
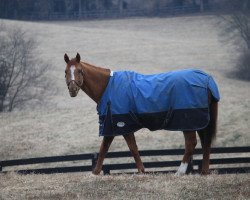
(86, 186)
(64, 125)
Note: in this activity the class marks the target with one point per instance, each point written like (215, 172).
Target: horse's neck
(95, 81)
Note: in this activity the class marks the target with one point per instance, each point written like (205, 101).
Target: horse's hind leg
(206, 146)
(130, 139)
(208, 134)
(190, 143)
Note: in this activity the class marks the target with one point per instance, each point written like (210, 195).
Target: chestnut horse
(94, 80)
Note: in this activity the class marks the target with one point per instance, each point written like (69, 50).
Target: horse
(99, 83)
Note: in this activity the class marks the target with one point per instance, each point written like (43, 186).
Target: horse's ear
(78, 57)
(66, 58)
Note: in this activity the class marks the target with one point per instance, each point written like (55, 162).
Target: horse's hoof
(205, 173)
(179, 174)
(182, 169)
(141, 171)
(96, 172)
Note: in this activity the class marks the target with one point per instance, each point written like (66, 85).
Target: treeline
(71, 9)
(46, 9)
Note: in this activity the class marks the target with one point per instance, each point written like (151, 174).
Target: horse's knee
(133, 150)
(190, 145)
(194, 143)
(190, 138)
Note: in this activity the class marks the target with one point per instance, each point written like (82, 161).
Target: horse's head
(73, 74)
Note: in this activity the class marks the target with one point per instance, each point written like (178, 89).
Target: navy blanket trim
(179, 120)
(176, 100)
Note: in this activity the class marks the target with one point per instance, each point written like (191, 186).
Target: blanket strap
(167, 118)
(135, 118)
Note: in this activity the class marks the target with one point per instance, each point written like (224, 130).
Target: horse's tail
(212, 126)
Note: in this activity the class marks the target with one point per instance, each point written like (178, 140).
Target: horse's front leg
(106, 142)
(190, 143)
(130, 139)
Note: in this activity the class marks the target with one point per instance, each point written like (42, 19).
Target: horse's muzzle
(73, 94)
(73, 89)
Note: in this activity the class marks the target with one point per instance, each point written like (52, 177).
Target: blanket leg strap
(167, 118)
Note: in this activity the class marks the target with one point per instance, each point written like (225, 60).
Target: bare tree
(21, 74)
(238, 30)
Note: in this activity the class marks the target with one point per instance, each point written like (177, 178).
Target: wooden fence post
(106, 170)
(94, 160)
(200, 166)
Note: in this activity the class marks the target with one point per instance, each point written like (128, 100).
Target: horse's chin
(73, 94)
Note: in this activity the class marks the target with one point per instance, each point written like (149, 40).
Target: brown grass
(155, 186)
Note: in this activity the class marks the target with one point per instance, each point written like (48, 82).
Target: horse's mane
(104, 70)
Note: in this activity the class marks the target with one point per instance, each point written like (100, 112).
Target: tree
(238, 29)
(21, 73)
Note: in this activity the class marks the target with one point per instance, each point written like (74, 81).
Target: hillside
(65, 125)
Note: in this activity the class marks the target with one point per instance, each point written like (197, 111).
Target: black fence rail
(233, 156)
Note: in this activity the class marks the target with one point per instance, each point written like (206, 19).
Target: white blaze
(72, 70)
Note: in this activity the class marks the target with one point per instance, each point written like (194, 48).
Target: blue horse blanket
(176, 100)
